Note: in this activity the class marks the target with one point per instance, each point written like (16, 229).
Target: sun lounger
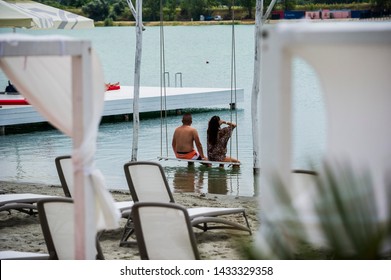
(16, 255)
(148, 183)
(56, 216)
(65, 173)
(164, 232)
(22, 202)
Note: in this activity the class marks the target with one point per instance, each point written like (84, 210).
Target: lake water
(203, 55)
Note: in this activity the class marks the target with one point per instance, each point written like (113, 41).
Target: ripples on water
(29, 157)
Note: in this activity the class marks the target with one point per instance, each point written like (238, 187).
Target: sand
(22, 232)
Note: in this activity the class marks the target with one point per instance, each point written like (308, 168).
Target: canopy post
(84, 203)
(137, 68)
(255, 88)
(76, 110)
(268, 11)
(255, 95)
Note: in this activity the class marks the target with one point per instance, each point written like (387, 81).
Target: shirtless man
(183, 139)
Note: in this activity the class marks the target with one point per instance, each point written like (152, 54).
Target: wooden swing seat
(200, 161)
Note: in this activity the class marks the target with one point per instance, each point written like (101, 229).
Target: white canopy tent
(63, 79)
(353, 64)
(34, 15)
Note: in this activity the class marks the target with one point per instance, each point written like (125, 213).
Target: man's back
(183, 138)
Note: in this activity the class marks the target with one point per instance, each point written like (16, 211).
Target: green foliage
(193, 9)
(73, 3)
(108, 22)
(96, 9)
(360, 232)
(381, 5)
(118, 8)
(151, 10)
(64, 4)
(248, 5)
(173, 10)
(344, 207)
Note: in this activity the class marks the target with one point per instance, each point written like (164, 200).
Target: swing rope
(233, 83)
(163, 91)
(163, 96)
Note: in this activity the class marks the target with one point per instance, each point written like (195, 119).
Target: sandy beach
(22, 232)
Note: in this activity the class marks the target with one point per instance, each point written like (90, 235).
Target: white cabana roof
(30, 14)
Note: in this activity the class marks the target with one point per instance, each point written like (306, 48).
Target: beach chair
(148, 183)
(65, 173)
(18, 255)
(22, 202)
(164, 232)
(56, 216)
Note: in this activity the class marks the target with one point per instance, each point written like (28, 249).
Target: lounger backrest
(164, 232)
(65, 173)
(56, 217)
(147, 182)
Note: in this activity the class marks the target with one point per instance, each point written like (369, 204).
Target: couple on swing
(217, 139)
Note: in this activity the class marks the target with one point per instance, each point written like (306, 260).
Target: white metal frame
(353, 63)
(280, 45)
(80, 51)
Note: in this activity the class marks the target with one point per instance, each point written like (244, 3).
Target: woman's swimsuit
(218, 151)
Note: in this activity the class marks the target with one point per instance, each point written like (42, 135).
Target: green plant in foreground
(346, 214)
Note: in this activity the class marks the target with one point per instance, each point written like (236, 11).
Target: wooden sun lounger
(16, 255)
(22, 202)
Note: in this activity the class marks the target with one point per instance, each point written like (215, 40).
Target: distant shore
(178, 23)
(237, 22)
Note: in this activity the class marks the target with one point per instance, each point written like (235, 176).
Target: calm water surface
(203, 55)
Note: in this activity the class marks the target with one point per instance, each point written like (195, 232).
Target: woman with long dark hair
(218, 139)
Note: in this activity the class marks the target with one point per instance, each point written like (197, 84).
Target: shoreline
(22, 232)
(236, 22)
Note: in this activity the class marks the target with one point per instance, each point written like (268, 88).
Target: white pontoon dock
(120, 102)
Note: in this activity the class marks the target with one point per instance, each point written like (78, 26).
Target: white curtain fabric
(46, 82)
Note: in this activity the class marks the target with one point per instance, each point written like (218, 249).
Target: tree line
(185, 10)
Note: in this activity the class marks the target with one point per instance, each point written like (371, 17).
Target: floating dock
(120, 102)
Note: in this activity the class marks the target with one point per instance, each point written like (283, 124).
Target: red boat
(13, 102)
